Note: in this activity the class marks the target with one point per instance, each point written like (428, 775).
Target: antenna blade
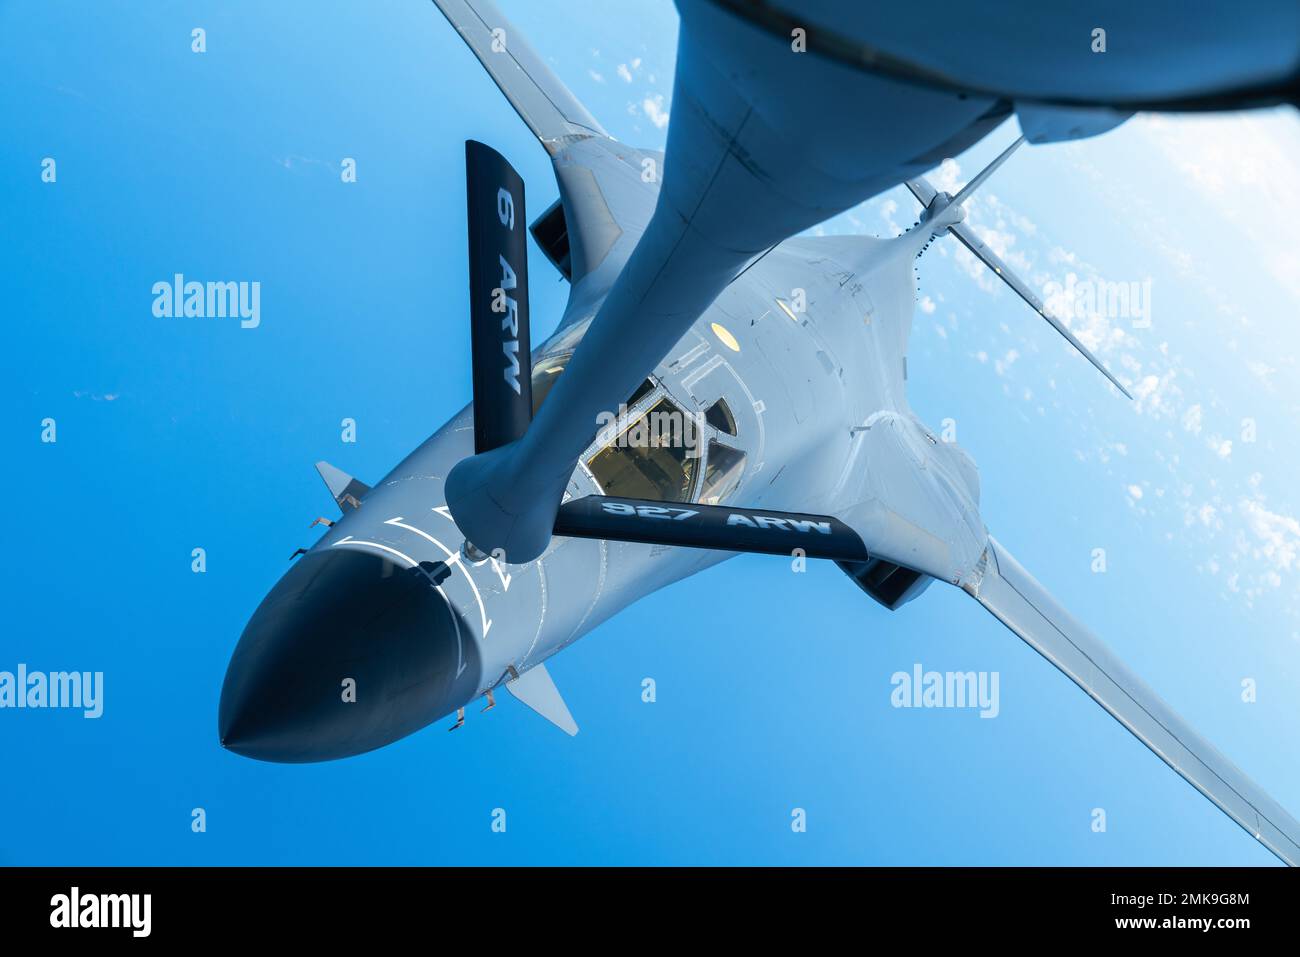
(972, 242)
(536, 689)
(985, 173)
(347, 491)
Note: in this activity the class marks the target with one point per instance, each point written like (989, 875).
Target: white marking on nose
(452, 559)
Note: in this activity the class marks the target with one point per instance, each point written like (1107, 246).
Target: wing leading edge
(937, 205)
(1017, 600)
(551, 111)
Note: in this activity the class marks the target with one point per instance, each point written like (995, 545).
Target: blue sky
(773, 688)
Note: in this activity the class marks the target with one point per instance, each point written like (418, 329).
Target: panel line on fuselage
(698, 374)
(600, 587)
(690, 355)
(541, 617)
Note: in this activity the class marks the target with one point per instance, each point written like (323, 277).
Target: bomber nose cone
(348, 652)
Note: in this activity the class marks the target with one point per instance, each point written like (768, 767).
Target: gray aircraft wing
(971, 241)
(936, 205)
(922, 190)
(551, 111)
(1017, 600)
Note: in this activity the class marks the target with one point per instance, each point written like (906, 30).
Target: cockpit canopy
(654, 448)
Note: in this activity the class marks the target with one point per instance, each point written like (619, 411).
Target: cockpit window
(719, 416)
(723, 469)
(653, 457)
(547, 372)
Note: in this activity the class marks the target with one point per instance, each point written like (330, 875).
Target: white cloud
(1156, 396)
(1278, 535)
(887, 210)
(1261, 371)
(1226, 157)
(947, 178)
(654, 110)
(1220, 446)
